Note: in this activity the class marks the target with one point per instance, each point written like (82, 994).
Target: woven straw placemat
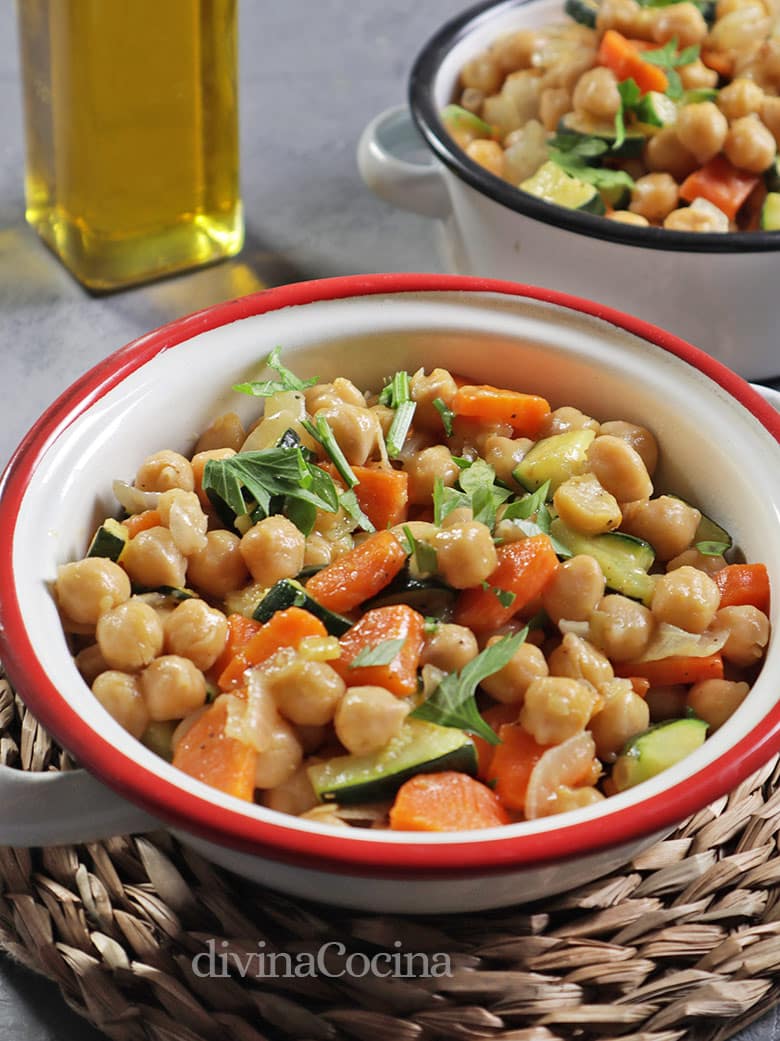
(683, 944)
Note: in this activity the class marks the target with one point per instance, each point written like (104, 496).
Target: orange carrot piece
(240, 632)
(676, 669)
(743, 584)
(524, 569)
(395, 622)
(208, 754)
(624, 57)
(640, 684)
(447, 801)
(382, 494)
(512, 763)
(721, 184)
(139, 522)
(495, 717)
(359, 574)
(283, 629)
(524, 412)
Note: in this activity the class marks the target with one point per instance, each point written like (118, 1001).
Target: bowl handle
(419, 187)
(53, 808)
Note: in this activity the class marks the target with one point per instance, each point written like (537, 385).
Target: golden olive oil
(132, 134)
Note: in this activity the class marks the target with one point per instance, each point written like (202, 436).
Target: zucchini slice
(109, 541)
(582, 11)
(419, 747)
(624, 559)
(553, 184)
(554, 459)
(429, 596)
(656, 749)
(618, 196)
(708, 530)
(289, 593)
(770, 212)
(585, 126)
(656, 109)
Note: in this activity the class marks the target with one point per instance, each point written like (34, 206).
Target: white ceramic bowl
(717, 291)
(718, 442)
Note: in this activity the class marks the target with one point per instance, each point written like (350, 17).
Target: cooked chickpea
(509, 684)
(465, 554)
(219, 568)
(196, 631)
(622, 628)
(567, 798)
(130, 635)
(556, 708)
(482, 73)
(449, 647)
(425, 467)
(624, 715)
(424, 390)
(697, 76)
(152, 559)
(566, 418)
(584, 505)
(182, 515)
(120, 695)
(272, 549)
(295, 795)
(702, 128)
(619, 468)
(280, 758)
(715, 701)
(172, 688)
(748, 630)
(316, 551)
(579, 660)
(305, 692)
(90, 663)
(749, 145)
(627, 17)
(640, 439)
(504, 454)
(165, 470)
(654, 196)
(741, 97)
(666, 702)
(668, 524)
(355, 427)
(690, 218)
(627, 217)
(487, 154)
(515, 51)
(554, 102)
(226, 432)
(681, 22)
(574, 590)
(368, 717)
(686, 598)
(87, 588)
(770, 117)
(710, 565)
(666, 153)
(596, 93)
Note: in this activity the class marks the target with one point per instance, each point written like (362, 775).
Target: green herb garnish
(380, 654)
(349, 503)
(424, 554)
(630, 96)
(669, 60)
(504, 596)
(287, 380)
(322, 432)
(447, 415)
(397, 396)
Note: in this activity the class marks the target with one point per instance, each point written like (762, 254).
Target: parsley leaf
(669, 60)
(484, 496)
(712, 549)
(424, 554)
(598, 176)
(578, 146)
(322, 432)
(447, 415)
(526, 507)
(349, 503)
(380, 654)
(287, 380)
(504, 596)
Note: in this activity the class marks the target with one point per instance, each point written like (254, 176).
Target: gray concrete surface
(312, 75)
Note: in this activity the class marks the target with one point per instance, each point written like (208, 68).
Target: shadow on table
(32, 1007)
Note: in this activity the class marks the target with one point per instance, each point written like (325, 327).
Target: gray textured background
(312, 75)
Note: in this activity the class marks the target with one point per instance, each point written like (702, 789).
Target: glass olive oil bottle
(132, 134)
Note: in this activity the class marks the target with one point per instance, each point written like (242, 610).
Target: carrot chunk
(283, 629)
(524, 412)
(240, 632)
(741, 584)
(624, 57)
(139, 522)
(721, 184)
(675, 669)
(208, 754)
(382, 493)
(396, 622)
(359, 574)
(447, 801)
(512, 763)
(495, 717)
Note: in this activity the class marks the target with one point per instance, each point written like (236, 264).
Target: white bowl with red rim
(719, 448)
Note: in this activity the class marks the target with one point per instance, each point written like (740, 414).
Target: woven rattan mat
(683, 944)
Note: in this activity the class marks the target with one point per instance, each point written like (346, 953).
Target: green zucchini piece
(459, 118)
(289, 593)
(109, 541)
(553, 184)
(554, 459)
(624, 559)
(585, 126)
(158, 737)
(657, 749)
(419, 747)
(172, 592)
(656, 109)
(582, 11)
(708, 530)
(429, 596)
(772, 176)
(618, 196)
(697, 95)
(770, 212)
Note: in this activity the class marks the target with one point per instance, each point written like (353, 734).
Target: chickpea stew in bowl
(649, 113)
(440, 606)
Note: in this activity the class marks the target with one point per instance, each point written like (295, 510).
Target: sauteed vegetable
(439, 606)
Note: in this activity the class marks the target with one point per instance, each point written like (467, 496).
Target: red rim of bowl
(281, 841)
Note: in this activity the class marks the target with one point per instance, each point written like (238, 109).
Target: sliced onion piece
(581, 629)
(669, 642)
(564, 764)
(133, 499)
(252, 720)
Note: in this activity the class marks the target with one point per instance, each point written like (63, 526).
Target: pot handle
(419, 187)
(60, 808)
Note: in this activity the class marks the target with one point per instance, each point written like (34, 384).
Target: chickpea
(696, 76)
(554, 102)
(740, 29)
(710, 565)
(449, 647)
(272, 549)
(219, 568)
(654, 196)
(666, 702)
(198, 468)
(567, 798)
(504, 454)
(165, 470)
(699, 219)
(584, 505)
(425, 390)
(152, 559)
(748, 630)
(120, 695)
(130, 635)
(515, 51)
(172, 688)
(196, 631)
(305, 692)
(566, 418)
(770, 117)
(574, 590)
(665, 152)
(749, 145)
(90, 663)
(423, 469)
(640, 439)
(294, 796)
(509, 684)
(579, 660)
(368, 717)
(182, 515)
(556, 708)
(316, 551)
(355, 428)
(681, 22)
(627, 217)
(226, 432)
(668, 524)
(596, 93)
(619, 468)
(487, 154)
(627, 17)
(501, 112)
(280, 758)
(87, 588)
(465, 554)
(686, 598)
(624, 715)
(621, 628)
(482, 73)
(702, 129)
(741, 97)
(715, 701)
